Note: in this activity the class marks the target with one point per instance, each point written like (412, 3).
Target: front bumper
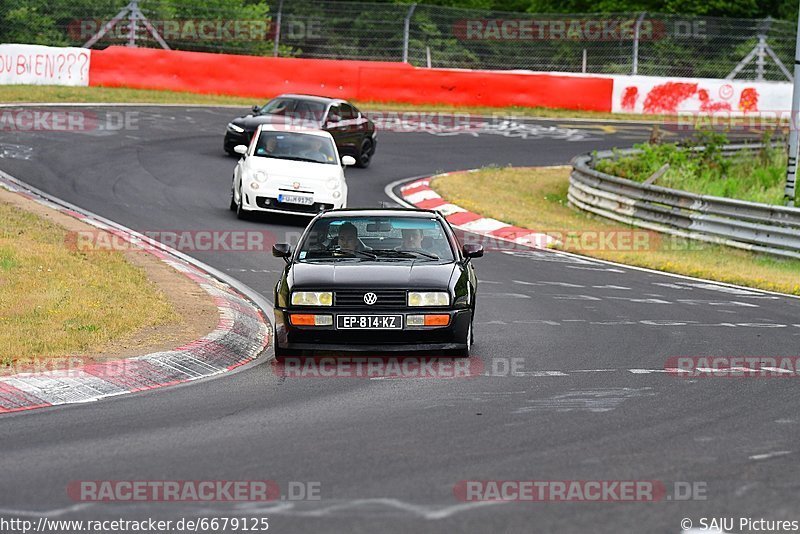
(329, 338)
(236, 138)
(265, 199)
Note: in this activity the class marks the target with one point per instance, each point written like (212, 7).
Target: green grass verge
(56, 301)
(536, 198)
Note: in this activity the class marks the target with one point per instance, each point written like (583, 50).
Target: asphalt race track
(591, 401)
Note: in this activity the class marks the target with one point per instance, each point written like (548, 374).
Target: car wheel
(469, 339)
(365, 155)
(281, 353)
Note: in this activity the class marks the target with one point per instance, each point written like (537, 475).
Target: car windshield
(296, 146)
(302, 110)
(376, 239)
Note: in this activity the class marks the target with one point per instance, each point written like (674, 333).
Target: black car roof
(379, 212)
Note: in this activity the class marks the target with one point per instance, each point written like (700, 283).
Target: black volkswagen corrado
(376, 279)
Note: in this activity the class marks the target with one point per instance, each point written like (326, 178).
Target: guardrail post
(407, 30)
(278, 29)
(791, 164)
(636, 33)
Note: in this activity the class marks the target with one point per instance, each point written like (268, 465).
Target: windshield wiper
(352, 251)
(408, 253)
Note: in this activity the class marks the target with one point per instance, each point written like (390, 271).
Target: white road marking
(593, 400)
(696, 302)
(642, 301)
(769, 455)
(606, 269)
(45, 513)
(562, 284)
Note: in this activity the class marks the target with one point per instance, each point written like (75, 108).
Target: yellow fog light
(312, 298)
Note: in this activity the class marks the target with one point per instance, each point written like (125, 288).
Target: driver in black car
(348, 238)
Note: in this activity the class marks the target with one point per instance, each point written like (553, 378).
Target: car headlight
(312, 298)
(333, 183)
(260, 176)
(428, 298)
(232, 127)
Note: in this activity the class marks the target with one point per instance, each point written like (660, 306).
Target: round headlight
(333, 183)
(336, 194)
(253, 185)
(260, 176)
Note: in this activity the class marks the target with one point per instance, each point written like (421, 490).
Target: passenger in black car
(412, 239)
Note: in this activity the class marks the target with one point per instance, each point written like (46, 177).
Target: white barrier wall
(656, 95)
(43, 65)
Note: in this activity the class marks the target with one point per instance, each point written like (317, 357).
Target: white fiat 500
(289, 171)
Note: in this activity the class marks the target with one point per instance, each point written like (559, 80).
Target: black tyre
(365, 154)
(469, 339)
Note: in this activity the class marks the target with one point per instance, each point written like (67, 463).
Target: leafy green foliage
(755, 176)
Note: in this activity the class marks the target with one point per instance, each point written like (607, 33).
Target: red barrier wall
(262, 77)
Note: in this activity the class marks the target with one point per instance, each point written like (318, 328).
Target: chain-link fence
(624, 43)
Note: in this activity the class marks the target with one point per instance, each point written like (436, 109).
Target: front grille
(354, 298)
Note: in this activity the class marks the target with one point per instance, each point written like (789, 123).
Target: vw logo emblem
(370, 298)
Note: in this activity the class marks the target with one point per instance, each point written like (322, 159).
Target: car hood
(372, 275)
(292, 171)
(252, 122)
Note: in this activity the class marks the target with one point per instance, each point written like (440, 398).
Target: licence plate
(296, 199)
(369, 322)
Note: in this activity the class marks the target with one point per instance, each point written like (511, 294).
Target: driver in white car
(315, 151)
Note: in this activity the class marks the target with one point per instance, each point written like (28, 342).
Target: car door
(350, 123)
(333, 125)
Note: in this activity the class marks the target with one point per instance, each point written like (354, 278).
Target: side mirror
(473, 250)
(256, 108)
(240, 149)
(348, 160)
(282, 250)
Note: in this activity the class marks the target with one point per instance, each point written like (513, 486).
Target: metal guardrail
(746, 225)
